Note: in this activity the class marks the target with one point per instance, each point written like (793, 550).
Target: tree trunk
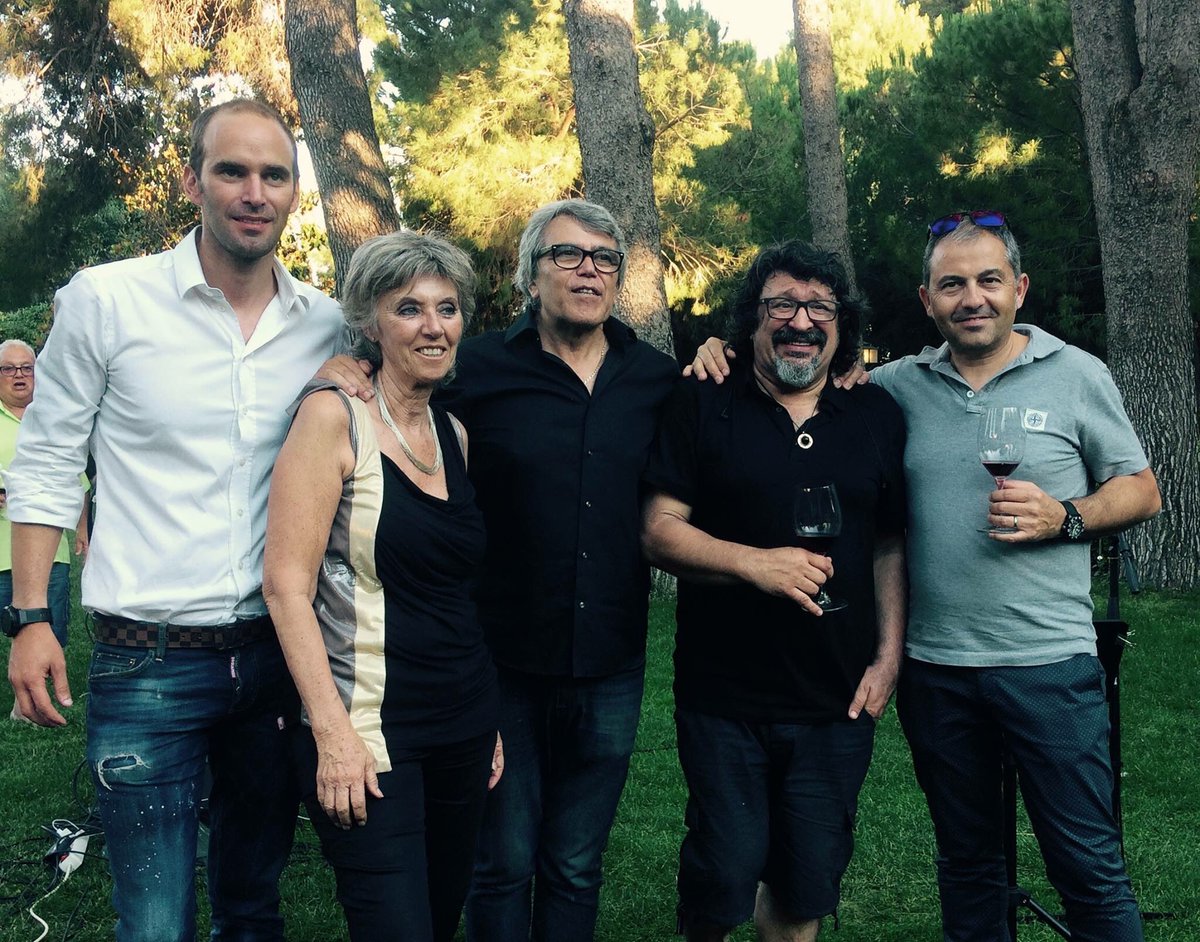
(616, 139)
(822, 136)
(339, 128)
(1139, 80)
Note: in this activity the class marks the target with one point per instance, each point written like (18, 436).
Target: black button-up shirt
(557, 471)
(731, 454)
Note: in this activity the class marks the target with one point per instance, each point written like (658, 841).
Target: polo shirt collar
(1040, 346)
(189, 275)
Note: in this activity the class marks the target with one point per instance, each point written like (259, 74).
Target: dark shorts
(767, 801)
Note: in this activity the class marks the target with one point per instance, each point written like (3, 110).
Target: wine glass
(1001, 447)
(817, 518)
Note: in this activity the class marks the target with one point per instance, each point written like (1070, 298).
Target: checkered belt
(125, 632)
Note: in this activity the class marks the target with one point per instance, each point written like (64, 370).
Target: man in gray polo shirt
(1000, 645)
(1000, 638)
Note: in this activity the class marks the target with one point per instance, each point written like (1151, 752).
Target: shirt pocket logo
(1035, 420)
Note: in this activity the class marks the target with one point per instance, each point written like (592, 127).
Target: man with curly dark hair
(777, 688)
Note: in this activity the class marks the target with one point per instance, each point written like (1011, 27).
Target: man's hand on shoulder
(711, 361)
(351, 376)
(35, 656)
(857, 375)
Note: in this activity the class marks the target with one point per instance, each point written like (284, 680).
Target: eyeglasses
(25, 370)
(570, 257)
(984, 218)
(784, 309)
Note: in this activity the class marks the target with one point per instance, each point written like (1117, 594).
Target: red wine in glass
(1001, 447)
(1000, 470)
(816, 519)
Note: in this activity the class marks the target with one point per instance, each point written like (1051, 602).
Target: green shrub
(30, 324)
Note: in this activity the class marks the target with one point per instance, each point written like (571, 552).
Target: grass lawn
(889, 892)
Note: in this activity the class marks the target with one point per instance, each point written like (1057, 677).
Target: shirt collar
(5, 410)
(832, 399)
(1040, 346)
(618, 334)
(189, 275)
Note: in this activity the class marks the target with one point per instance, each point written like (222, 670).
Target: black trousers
(405, 874)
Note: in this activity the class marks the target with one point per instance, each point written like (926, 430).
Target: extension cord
(69, 863)
(68, 851)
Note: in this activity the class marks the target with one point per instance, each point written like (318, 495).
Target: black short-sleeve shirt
(731, 453)
(557, 474)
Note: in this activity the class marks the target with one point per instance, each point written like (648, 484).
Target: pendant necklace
(803, 439)
(417, 462)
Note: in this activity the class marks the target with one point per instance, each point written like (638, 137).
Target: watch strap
(14, 619)
(1073, 527)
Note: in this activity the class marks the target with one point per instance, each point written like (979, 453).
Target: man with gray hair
(178, 368)
(17, 379)
(562, 408)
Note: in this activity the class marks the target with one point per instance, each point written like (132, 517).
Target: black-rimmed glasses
(569, 257)
(23, 370)
(784, 309)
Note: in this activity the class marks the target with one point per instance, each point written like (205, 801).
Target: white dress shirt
(146, 367)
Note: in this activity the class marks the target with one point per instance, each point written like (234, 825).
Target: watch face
(8, 621)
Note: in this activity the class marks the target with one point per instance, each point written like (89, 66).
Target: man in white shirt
(178, 368)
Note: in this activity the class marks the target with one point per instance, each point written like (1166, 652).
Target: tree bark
(616, 140)
(822, 135)
(1139, 80)
(339, 127)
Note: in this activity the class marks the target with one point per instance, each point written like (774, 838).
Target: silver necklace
(417, 462)
(599, 363)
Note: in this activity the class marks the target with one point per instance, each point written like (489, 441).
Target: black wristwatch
(12, 619)
(1072, 528)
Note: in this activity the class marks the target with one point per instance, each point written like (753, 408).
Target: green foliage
(433, 39)
(869, 34)
(691, 89)
(984, 119)
(495, 141)
(30, 324)
(90, 163)
(86, 103)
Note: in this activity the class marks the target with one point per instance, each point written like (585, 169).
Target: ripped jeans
(152, 723)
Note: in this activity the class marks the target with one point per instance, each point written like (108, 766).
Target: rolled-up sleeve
(52, 446)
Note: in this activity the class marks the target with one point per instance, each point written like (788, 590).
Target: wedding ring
(1016, 525)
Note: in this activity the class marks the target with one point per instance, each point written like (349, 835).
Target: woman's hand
(497, 763)
(345, 774)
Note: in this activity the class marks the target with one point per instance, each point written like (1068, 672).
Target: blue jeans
(1054, 721)
(567, 744)
(153, 721)
(58, 598)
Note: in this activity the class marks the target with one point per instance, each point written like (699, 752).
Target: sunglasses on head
(984, 218)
